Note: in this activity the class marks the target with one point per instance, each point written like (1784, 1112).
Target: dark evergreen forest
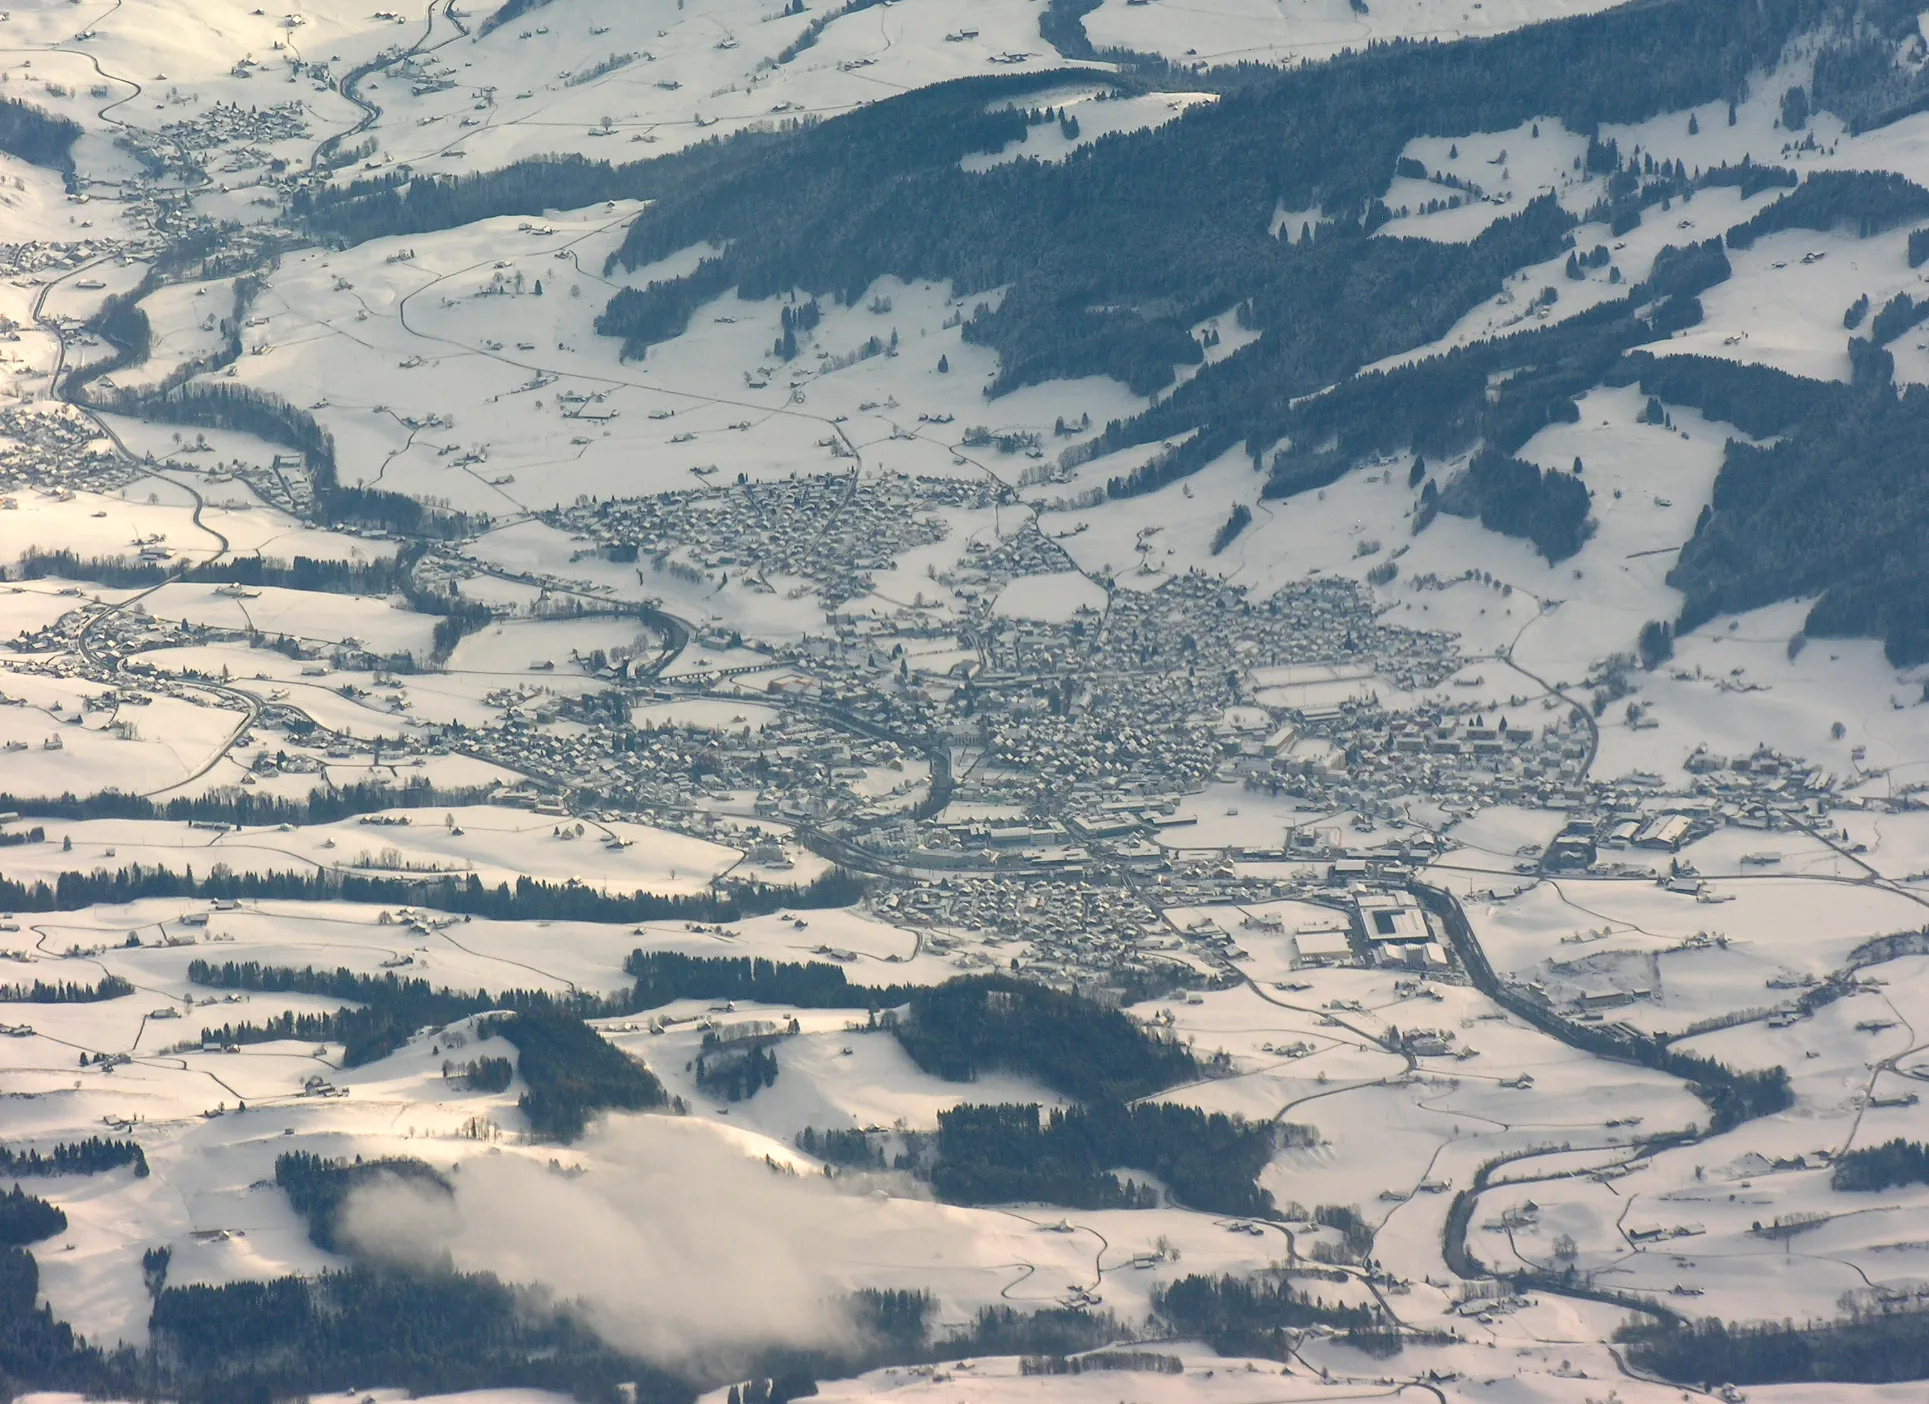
(1005, 1154)
(571, 1071)
(1252, 1317)
(1887, 1166)
(1870, 1349)
(25, 1219)
(1110, 256)
(38, 137)
(88, 1157)
(1080, 1049)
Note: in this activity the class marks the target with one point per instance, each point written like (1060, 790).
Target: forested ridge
(1111, 255)
(1108, 258)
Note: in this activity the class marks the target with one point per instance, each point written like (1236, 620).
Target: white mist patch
(399, 1220)
(683, 1249)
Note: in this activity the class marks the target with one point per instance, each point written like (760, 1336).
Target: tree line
(529, 899)
(431, 1333)
(663, 976)
(418, 203)
(444, 1331)
(378, 577)
(243, 808)
(89, 1157)
(1866, 202)
(1831, 508)
(569, 1070)
(385, 1012)
(66, 991)
(956, 1030)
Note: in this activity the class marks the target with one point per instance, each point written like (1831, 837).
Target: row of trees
(243, 807)
(733, 1072)
(66, 991)
(1732, 1097)
(89, 1157)
(480, 1074)
(378, 577)
(663, 976)
(529, 899)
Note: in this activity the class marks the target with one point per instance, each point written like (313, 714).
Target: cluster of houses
(826, 535)
(1360, 756)
(54, 451)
